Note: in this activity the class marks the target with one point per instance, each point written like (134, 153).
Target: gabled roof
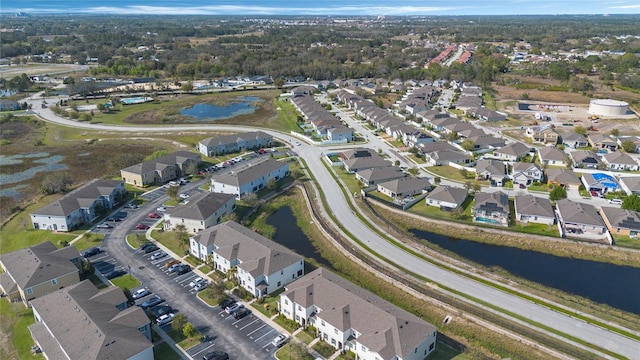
(514, 149)
(493, 167)
(39, 263)
(200, 206)
(573, 137)
(621, 218)
(249, 172)
(85, 323)
(491, 202)
(562, 176)
(533, 205)
(632, 182)
(551, 153)
(384, 328)
(381, 173)
(578, 213)
(178, 157)
(579, 156)
(257, 254)
(600, 138)
(82, 197)
(525, 166)
(618, 157)
(405, 184)
(235, 138)
(449, 194)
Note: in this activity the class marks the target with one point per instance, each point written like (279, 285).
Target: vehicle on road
(140, 293)
(615, 202)
(156, 300)
(91, 252)
(216, 355)
(196, 281)
(158, 255)
(233, 308)
(164, 319)
(280, 340)
(142, 227)
(131, 206)
(150, 249)
(104, 226)
(226, 302)
(114, 274)
(242, 313)
(183, 269)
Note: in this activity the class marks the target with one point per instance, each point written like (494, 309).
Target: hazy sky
(324, 7)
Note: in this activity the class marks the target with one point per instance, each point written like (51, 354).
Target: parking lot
(106, 264)
(256, 333)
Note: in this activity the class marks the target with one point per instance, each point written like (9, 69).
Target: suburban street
(339, 207)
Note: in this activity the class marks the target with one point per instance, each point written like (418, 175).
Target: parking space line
(203, 350)
(270, 331)
(249, 334)
(242, 328)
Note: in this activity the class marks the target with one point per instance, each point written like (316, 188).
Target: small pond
(49, 163)
(240, 106)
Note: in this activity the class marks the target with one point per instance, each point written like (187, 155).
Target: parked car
(103, 226)
(280, 340)
(242, 313)
(216, 355)
(164, 319)
(160, 310)
(114, 219)
(183, 269)
(174, 267)
(116, 273)
(158, 255)
(142, 227)
(154, 216)
(183, 196)
(233, 308)
(161, 209)
(131, 206)
(156, 300)
(196, 281)
(93, 251)
(173, 183)
(146, 245)
(171, 262)
(201, 286)
(226, 302)
(140, 293)
(615, 201)
(150, 249)
(262, 151)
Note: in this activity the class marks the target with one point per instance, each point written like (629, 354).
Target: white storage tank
(608, 107)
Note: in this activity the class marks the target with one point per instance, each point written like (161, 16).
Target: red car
(142, 227)
(154, 216)
(262, 151)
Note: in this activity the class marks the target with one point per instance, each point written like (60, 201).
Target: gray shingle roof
(258, 255)
(249, 172)
(235, 138)
(87, 325)
(493, 167)
(551, 153)
(406, 184)
(39, 263)
(490, 202)
(618, 157)
(162, 162)
(562, 176)
(201, 206)
(533, 205)
(622, 218)
(578, 213)
(632, 182)
(514, 149)
(381, 173)
(82, 197)
(385, 328)
(449, 194)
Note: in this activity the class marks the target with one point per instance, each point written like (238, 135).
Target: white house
(350, 318)
(533, 209)
(202, 211)
(82, 205)
(249, 177)
(262, 266)
(526, 173)
(619, 160)
(552, 156)
(512, 152)
(447, 197)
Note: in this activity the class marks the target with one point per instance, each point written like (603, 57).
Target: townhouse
(81, 322)
(162, 169)
(82, 205)
(580, 220)
(250, 177)
(404, 187)
(340, 134)
(38, 270)
(485, 114)
(491, 208)
(220, 145)
(261, 266)
(621, 222)
(350, 318)
(447, 197)
(533, 209)
(201, 211)
(442, 153)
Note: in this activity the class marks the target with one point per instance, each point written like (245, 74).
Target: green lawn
(14, 320)
(135, 240)
(170, 240)
(288, 116)
(449, 172)
(127, 281)
(539, 229)
(164, 352)
(541, 188)
(444, 352)
(421, 208)
(88, 240)
(185, 342)
(205, 269)
(212, 295)
(305, 337)
(324, 349)
(625, 241)
(290, 351)
(350, 180)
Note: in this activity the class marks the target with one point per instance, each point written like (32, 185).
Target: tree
(172, 192)
(271, 184)
(631, 202)
(187, 87)
(414, 171)
(191, 169)
(437, 180)
(468, 145)
(464, 172)
(628, 146)
(251, 199)
(396, 163)
(182, 235)
(278, 82)
(127, 294)
(614, 132)
(557, 193)
(580, 130)
(100, 107)
(55, 182)
(189, 330)
(179, 322)
(452, 136)
(468, 185)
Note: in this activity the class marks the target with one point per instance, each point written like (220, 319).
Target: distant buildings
(160, 170)
(233, 143)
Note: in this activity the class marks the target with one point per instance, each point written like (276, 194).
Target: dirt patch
(38, 69)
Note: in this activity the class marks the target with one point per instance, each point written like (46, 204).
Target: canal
(614, 285)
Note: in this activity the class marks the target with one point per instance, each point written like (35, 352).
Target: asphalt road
(338, 206)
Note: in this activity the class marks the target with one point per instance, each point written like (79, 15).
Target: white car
(233, 308)
(184, 196)
(158, 255)
(165, 319)
(280, 340)
(196, 281)
(161, 209)
(140, 293)
(615, 201)
(201, 286)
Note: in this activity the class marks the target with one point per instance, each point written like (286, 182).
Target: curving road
(338, 205)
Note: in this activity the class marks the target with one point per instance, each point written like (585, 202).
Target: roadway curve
(338, 205)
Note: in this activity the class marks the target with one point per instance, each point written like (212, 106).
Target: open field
(33, 69)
